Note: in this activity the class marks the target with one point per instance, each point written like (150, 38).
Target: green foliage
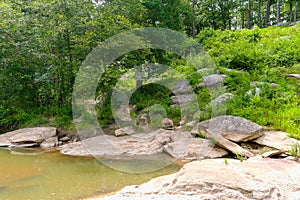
(253, 49)
(240, 157)
(201, 135)
(295, 150)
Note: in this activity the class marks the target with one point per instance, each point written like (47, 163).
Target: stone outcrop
(27, 137)
(256, 178)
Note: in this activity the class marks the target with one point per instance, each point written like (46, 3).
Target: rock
(191, 124)
(181, 99)
(123, 113)
(226, 144)
(27, 137)
(213, 80)
(65, 139)
(182, 87)
(220, 100)
(234, 71)
(37, 134)
(129, 130)
(233, 128)
(269, 154)
(257, 83)
(254, 92)
(49, 142)
(277, 140)
(194, 149)
(256, 178)
(167, 124)
(144, 119)
(133, 145)
(297, 76)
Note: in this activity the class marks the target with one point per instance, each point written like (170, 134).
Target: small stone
(64, 139)
(167, 124)
(270, 154)
(129, 130)
(49, 142)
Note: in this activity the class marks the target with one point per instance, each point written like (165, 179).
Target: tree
(278, 11)
(268, 13)
(249, 15)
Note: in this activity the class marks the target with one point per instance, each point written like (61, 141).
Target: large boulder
(276, 139)
(27, 137)
(256, 178)
(233, 128)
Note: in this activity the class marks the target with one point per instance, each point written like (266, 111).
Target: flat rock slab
(134, 145)
(194, 149)
(233, 128)
(30, 136)
(256, 178)
(276, 139)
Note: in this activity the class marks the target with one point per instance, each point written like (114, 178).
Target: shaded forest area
(44, 42)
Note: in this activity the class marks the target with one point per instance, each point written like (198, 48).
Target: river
(25, 175)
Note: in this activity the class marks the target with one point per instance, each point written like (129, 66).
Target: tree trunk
(268, 13)
(243, 14)
(295, 14)
(193, 25)
(259, 14)
(291, 10)
(278, 11)
(249, 15)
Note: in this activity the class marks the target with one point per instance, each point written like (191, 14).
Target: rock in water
(49, 142)
(27, 136)
(233, 128)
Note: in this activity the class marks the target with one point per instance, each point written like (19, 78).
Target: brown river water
(24, 175)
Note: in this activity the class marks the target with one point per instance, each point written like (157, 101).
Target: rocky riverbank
(264, 169)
